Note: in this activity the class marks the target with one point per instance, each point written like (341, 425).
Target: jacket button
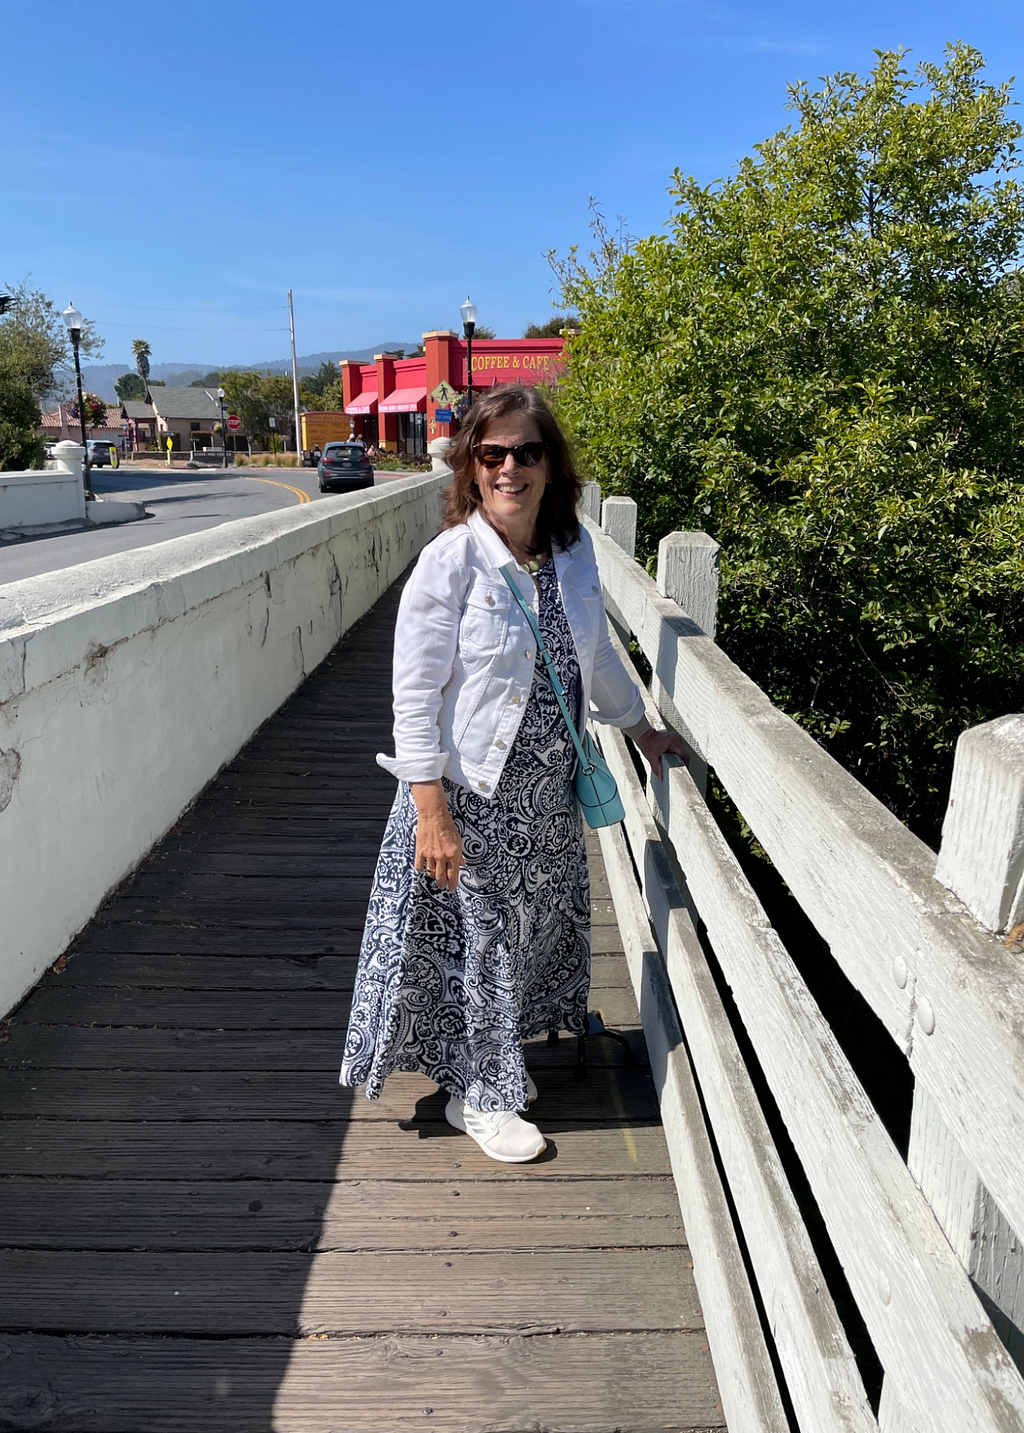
(490, 600)
(516, 701)
(500, 743)
(483, 785)
(593, 589)
(528, 655)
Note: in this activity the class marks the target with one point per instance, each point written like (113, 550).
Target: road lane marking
(302, 497)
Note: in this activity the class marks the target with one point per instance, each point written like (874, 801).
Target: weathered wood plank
(318, 1149)
(125, 1048)
(305, 914)
(226, 1009)
(153, 885)
(147, 938)
(239, 972)
(219, 1293)
(600, 1383)
(283, 1094)
(352, 1216)
(189, 1009)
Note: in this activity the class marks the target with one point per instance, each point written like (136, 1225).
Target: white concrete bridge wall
(127, 683)
(44, 497)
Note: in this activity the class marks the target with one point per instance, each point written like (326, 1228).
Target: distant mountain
(99, 378)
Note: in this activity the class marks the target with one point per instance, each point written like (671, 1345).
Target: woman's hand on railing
(655, 744)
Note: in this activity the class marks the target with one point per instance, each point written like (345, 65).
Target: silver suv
(102, 453)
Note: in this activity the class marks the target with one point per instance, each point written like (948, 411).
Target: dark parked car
(102, 453)
(343, 468)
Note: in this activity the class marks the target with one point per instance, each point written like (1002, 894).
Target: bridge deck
(200, 1229)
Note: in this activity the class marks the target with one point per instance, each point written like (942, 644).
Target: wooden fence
(926, 1241)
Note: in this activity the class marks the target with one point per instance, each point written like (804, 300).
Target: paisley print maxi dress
(450, 983)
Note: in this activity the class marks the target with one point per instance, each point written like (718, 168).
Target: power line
(186, 327)
(188, 308)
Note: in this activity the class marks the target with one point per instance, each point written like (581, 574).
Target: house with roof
(140, 421)
(61, 426)
(190, 417)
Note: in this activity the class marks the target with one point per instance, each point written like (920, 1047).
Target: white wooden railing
(926, 1243)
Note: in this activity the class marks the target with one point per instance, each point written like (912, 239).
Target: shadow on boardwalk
(202, 1230)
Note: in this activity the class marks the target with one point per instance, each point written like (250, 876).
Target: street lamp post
(468, 312)
(223, 430)
(73, 320)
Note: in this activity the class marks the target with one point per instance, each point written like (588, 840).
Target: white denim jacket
(465, 653)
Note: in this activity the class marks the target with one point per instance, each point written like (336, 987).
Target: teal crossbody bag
(593, 782)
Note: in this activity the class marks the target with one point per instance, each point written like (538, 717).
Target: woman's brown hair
(557, 521)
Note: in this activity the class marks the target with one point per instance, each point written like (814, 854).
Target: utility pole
(295, 383)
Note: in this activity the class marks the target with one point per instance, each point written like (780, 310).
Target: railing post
(590, 501)
(688, 574)
(981, 860)
(618, 518)
(437, 451)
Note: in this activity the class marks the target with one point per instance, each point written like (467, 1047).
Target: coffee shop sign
(483, 361)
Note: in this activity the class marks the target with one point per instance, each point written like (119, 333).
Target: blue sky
(174, 170)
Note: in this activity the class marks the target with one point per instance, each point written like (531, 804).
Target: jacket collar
(497, 554)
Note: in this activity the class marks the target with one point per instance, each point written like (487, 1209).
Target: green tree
(34, 343)
(324, 377)
(331, 400)
(130, 387)
(551, 329)
(21, 446)
(243, 395)
(35, 365)
(822, 365)
(257, 398)
(143, 353)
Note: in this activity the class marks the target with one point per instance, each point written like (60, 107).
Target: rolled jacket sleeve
(614, 695)
(426, 642)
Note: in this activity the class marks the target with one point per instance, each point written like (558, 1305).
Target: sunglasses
(526, 455)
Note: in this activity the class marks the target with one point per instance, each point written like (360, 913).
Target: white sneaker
(531, 1089)
(503, 1136)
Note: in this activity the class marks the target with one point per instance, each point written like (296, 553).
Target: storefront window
(412, 434)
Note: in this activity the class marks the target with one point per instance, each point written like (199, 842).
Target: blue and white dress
(450, 983)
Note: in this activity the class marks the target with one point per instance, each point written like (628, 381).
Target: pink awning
(405, 400)
(363, 403)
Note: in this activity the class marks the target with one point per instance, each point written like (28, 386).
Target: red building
(394, 402)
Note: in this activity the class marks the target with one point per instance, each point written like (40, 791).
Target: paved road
(181, 502)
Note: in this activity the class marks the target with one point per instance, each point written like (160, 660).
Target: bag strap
(552, 670)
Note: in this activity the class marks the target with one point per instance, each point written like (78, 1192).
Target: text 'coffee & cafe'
(402, 403)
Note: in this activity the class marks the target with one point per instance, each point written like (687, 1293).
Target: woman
(478, 930)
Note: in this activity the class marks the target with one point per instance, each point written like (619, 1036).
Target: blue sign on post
(443, 415)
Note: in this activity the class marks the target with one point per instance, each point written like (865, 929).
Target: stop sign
(234, 422)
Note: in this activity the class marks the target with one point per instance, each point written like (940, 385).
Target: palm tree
(142, 352)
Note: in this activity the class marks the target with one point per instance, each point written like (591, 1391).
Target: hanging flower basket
(95, 411)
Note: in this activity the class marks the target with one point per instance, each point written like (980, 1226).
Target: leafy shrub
(21, 447)
(823, 366)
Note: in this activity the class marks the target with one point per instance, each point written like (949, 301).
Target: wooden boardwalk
(202, 1231)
